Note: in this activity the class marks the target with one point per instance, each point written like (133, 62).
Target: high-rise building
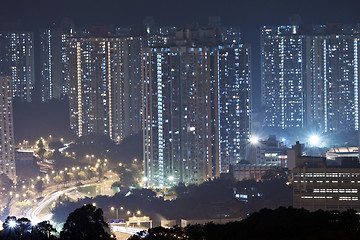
(51, 67)
(310, 76)
(180, 115)
(7, 154)
(282, 76)
(231, 35)
(197, 105)
(235, 103)
(17, 61)
(332, 62)
(104, 79)
(133, 72)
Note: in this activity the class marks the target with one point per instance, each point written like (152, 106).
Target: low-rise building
(252, 171)
(338, 152)
(270, 151)
(318, 185)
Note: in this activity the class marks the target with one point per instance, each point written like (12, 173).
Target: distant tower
(104, 78)
(7, 155)
(52, 80)
(180, 116)
(17, 61)
(332, 81)
(235, 102)
(282, 76)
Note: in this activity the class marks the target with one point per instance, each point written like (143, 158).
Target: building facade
(235, 103)
(310, 77)
(17, 61)
(317, 185)
(51, 64)
(327, 188)
(104, 85)
(282, 76)
(180, 116)
(7, 152)
(271, 151)
(332, 62)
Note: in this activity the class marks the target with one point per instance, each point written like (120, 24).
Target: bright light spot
(314, 140)
(144, 179)
(171, 178)
(254, 140)
(12, 224)
(283, 139)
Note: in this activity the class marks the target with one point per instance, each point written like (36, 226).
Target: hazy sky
(250, 15)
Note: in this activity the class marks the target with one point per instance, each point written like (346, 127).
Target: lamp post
(90, 156)
(117, 211)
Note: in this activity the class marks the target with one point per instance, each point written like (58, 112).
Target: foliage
(23, 229)
(281, 223)
(129, 174)
(39, 186)
(5, 183)
(23, 204)
(55, 145)
(102, 147)
(87, 223)
(212, 199)
(82, 175)
(58, 179)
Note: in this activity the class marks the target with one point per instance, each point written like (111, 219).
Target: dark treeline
(85, 223)
(213, 199)
(282, 223)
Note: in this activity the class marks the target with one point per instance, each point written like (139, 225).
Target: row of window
(330, 197)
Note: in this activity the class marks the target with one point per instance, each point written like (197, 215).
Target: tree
(58, 179)
(39, 186)
(45, 230)
(23, 229)
(5, 183)
(56, 145)
(86, 223)
(82, 175)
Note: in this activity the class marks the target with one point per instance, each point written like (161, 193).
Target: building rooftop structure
(328, 186)
(337, 152)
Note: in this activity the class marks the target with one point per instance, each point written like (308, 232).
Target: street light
(12, 224)
(117, 212)
(314, 140)
(254, 140)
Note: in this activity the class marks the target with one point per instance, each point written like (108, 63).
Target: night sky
(249, 15)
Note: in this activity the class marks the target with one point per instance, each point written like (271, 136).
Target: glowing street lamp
(314, 140)
(254, 140)
(12, 224)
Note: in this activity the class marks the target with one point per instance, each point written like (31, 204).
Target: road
(41, 211)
